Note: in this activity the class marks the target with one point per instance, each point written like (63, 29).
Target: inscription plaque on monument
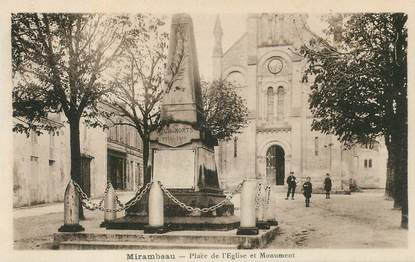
(177, 134)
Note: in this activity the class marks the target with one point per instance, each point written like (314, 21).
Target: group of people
(307, 187)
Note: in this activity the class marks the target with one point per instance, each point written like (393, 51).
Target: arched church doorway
(275, 161)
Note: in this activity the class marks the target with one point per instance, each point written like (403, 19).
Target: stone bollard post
(262, 208)
(271, 214)
(71, 210)
(247, 209)
(110, 205)
(155, 210)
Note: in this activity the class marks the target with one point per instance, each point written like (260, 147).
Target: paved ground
(34, 227)
(360, 220)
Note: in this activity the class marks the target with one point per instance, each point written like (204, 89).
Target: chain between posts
(88, 204)
(198, 209)
(268, 190)
(258, 198)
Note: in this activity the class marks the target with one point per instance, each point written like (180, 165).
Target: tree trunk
(75, 145)
(400, 123)
(146, 154)
(404, 177)
(397, 176)
(389, 180)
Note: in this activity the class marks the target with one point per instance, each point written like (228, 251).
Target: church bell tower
(217, 49)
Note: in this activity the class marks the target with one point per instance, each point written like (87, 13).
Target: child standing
(307, 190)
(292, 184)
(327, 185)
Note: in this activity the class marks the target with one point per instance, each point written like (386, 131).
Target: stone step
(178, 223)
(171, 237)
(134, 238)
(84, 245)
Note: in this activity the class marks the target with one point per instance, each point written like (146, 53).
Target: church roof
(242, 38)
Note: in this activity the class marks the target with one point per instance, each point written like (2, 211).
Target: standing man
(327, 185)
(307, 190)
(292, 183)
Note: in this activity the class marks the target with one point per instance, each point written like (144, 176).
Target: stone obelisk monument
(182, 152)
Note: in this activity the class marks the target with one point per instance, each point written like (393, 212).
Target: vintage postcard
(207, 131)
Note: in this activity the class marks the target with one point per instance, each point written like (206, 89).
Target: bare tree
(139, 83)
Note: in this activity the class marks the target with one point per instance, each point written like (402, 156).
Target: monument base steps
(85, 245)
(137, 239)
(178, 223)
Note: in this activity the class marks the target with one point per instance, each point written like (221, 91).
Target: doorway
(86, 174)
(116, 170)
(275, 164)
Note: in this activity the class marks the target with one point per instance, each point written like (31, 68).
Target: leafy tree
(225, 111)
(359, 88)
(59, 62)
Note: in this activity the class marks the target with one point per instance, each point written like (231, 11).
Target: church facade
(267, 70)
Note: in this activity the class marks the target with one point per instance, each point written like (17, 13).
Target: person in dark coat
(307, 190)
(292, 183)
(327, 185)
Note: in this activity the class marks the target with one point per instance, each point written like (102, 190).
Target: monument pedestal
(182, 152)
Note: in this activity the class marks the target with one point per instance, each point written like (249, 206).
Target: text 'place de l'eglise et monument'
(182, 153)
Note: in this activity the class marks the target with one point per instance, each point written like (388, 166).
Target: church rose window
(275, 65)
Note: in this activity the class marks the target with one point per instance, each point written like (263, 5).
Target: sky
(233, 27)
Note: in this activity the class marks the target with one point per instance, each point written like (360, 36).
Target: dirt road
(360, 220)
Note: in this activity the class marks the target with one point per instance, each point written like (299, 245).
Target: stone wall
(41, 168)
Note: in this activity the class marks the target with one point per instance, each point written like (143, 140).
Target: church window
(51, 139)
(117, 132)
(264, 28)
(235, 147)
(316, 146)
(354, 151)
(236, 79)
(370, 163)
(33, 137)
(270, 104)
(280, 110)
(365, 163)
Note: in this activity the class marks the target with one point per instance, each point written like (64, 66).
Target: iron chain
(134, 200)
(188, 208)
(117, 200)
(85, 201)
(258, 198)
(88, 204)
(268, 190)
